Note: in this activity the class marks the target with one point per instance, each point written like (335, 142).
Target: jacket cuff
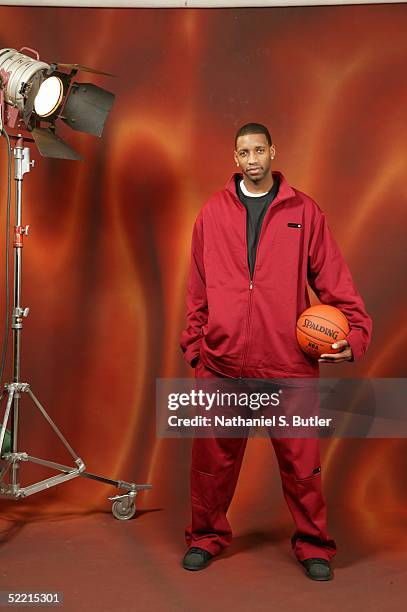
(192, 353)
(356, 344)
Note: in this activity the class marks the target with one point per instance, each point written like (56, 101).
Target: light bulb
(49, 96)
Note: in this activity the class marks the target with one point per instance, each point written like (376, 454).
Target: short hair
(253, 128)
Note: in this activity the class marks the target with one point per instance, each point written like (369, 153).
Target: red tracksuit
(243, 327)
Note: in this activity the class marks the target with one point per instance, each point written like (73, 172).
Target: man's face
(253, 155)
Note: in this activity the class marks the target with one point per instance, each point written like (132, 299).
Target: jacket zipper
(251, 286)
(246, 340)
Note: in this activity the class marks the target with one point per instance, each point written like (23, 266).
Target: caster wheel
(122, 510)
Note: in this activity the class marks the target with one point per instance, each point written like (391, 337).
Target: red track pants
(215, 469)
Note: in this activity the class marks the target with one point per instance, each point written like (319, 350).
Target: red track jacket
(240, 327)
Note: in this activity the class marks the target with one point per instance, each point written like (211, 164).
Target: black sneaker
(196, 559)
(317, 569)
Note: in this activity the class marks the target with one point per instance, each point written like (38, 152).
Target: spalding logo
(332, 333)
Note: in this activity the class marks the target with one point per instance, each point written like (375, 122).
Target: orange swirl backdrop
(106, 263)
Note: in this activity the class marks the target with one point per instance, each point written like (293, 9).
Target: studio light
(35, 94)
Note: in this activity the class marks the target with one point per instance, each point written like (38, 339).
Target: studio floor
(100, 563)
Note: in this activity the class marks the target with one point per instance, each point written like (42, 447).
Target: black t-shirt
(256, 209)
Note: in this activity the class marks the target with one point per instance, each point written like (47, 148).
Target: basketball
(319, 327)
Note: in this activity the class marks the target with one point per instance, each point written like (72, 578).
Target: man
(256, 246)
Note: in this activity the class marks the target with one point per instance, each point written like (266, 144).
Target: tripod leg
(52, 424)
(15, 466)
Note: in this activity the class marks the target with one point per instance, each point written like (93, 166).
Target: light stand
(123, 506)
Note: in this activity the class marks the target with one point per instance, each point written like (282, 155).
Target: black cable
(7, 305)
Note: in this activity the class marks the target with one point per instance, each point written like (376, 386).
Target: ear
(235, 157)
(272, 152)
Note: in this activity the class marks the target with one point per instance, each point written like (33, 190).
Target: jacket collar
(284, 191)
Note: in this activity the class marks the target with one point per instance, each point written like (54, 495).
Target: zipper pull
(251, 285)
